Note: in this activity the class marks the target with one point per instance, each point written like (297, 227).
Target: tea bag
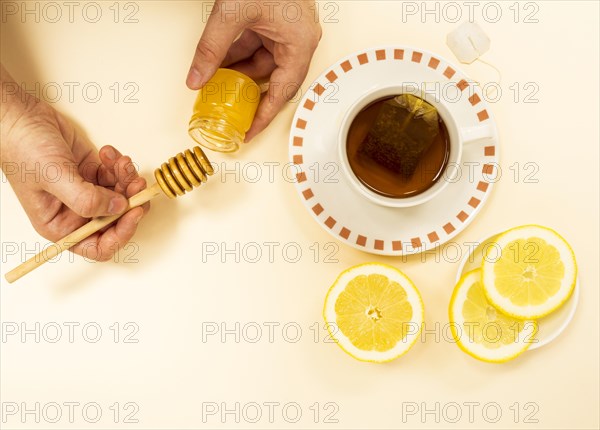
(403, 130)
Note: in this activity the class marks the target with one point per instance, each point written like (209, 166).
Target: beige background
(170, 294)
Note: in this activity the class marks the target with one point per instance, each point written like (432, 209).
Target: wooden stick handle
(78, 235)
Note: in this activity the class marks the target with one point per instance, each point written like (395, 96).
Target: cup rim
(424, 196)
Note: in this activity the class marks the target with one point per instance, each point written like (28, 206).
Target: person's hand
(276, 42)
(61, 179)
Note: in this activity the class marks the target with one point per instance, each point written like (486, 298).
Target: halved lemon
(480, 329)
(374, 312)
(529, 272)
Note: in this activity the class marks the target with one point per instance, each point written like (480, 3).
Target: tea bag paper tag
(468, 42)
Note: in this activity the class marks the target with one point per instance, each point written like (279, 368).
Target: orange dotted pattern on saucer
(394, 244)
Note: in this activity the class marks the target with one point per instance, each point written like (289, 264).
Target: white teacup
(458, 136)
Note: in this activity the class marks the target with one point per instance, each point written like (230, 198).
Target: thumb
(220, 32)
(86, 199)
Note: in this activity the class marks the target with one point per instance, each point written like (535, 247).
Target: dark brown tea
(398, 150)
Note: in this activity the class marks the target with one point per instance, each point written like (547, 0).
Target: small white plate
(549, 327)
(328, 194)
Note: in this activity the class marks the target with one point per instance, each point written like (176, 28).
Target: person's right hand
(62, 180)
(270, 45)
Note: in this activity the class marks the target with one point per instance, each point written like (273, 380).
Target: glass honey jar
(224, 110)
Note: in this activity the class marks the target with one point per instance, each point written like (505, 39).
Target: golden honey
(184, 172)
(224, 110)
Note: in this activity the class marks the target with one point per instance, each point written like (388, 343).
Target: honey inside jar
(224, 110)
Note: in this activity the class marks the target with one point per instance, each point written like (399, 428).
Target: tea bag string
(487, 94)
(495, 88)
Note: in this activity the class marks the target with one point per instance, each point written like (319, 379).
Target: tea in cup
(401, 150)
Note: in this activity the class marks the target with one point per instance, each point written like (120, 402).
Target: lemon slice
(529, 272)
(374, 312)
(480, 329)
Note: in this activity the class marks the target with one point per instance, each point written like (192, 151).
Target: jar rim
(215, 134)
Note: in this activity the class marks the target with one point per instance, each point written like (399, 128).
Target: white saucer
(327, 192)
(549, 327)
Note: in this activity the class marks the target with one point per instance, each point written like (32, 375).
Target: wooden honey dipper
(177, 176)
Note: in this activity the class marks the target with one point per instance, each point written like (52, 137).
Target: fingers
(89, 200)
(243, 48)
(284, 84)
(106, 172)
(109, 155)
(134, 187)
(125, 173)
(259, 66)
(212, 48)
(127, 180)
(102, 246)
(84, 198)
(116, 171)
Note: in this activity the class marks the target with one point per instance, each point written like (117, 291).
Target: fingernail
(111, 154)
(194, 79)
(130, 169)
(117, 205)
(138, 218)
